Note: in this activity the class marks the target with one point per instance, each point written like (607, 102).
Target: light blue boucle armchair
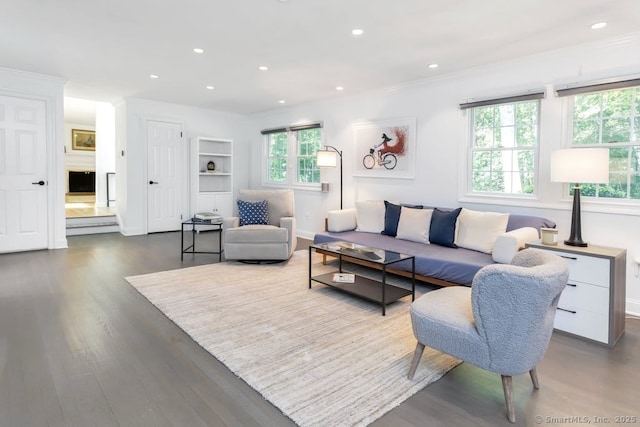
(503, 323)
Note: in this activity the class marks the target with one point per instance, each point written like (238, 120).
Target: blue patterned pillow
(253, 212)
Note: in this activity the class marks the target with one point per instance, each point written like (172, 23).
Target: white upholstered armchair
(265, 228)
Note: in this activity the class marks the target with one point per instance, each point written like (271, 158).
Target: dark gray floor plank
(80, 347)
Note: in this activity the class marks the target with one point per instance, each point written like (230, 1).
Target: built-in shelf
(212, 191)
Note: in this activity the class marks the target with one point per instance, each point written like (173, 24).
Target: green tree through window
(277, 157)
(503, 148)
(611, 119)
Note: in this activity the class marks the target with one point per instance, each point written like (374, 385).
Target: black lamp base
(575, 238)
(576, 243)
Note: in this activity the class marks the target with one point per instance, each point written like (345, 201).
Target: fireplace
(82, 182)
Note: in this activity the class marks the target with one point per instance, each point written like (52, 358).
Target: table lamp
(576, 166)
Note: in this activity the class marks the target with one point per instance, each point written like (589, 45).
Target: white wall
(131, 117)
(105, 149)
(441, 142)
(50, 90)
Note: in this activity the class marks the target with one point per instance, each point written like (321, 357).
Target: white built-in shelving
(211, 189)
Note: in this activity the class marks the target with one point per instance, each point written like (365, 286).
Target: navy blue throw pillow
(391, 218)
(253, 212)
(443, 227)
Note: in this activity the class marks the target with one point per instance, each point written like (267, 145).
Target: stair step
(77, 231)
(93, 224)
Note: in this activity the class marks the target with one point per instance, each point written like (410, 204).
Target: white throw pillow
(478, 231)
(414, 224)
(370, 216)
(341, 220)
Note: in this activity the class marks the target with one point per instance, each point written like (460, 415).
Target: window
(296, 145)
(504, 145)
(308, 141)
(609, 119)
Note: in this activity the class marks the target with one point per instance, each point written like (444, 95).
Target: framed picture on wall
(385, 148)
(83, 140)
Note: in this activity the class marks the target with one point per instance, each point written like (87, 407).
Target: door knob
(153, 182)
(38, 183)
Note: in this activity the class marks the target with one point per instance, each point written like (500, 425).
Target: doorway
(87, 209)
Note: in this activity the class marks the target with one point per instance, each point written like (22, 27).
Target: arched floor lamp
(328, 158)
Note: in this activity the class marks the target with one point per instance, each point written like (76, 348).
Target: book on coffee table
(208, 216)
(344, 278)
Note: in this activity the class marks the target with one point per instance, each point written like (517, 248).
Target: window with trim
(504, 145)
(608, 116)
(291, 155)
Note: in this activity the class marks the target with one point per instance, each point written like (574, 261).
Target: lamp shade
(326, 158)
(580, 165)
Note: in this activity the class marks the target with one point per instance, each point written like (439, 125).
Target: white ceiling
(107, 49)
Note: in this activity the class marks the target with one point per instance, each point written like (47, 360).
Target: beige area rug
(322, 357)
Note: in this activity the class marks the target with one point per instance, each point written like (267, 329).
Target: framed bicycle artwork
(385, 148)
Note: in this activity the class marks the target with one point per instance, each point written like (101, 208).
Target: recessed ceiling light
(154, 76)
(339, 88)
(598, 25)
(263, 68)
(281, 101)
(433, 65)
(198, 50)
(210, 87)
(357, 31)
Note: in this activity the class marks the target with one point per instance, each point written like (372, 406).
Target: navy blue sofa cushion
(443, 227)
(391, 218)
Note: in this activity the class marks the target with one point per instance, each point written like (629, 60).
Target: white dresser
(592, 305)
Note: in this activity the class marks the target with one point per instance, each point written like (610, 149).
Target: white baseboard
(633, 307)
(305, 234)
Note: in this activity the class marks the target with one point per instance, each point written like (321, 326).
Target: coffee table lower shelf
(365, 288)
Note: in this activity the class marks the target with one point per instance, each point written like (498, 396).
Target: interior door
(165, 176)
(23, 175)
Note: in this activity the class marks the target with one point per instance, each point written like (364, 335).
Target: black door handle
(38, 183)
(153, 182)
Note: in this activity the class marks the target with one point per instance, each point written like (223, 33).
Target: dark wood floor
(80, 347)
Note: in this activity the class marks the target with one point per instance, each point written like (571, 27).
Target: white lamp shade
(580, 165)
(326, 158)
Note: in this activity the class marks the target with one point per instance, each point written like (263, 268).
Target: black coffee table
(378, 291)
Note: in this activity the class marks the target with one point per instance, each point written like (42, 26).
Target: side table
(592, 305)
(191, 249)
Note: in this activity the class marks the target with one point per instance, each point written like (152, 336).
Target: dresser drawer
(584, 323)
(581, 296)
(593, 302)
(586, 269)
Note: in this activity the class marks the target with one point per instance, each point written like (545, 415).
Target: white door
(165, 176)
(23, 175)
